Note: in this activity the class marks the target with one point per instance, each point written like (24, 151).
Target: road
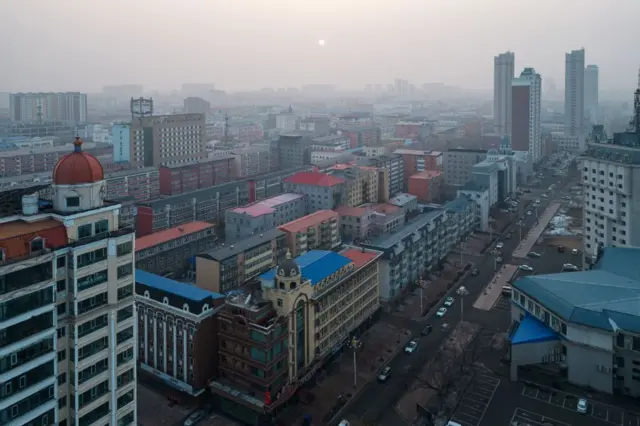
(376, 403)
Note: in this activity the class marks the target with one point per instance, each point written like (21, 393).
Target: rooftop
(359, 256)
(607, 297)
(472, 186)
(267, 205)
(416, 152)
(227, 251)
(461, 203)
(485, 166)
(402, 199)
(315, 265)
(329, 138)
(427, 174)
(187, 291)
(388, 240)
(308, 220)
(171, 234)
(351, 211)
(314, 178)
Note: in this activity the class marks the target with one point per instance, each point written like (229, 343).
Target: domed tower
(78, 181)
(288, 274)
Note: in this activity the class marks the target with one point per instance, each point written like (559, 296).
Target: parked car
(426, 330)
(344, 423)
(385, 373)
(499, 260)
(575, 252)
(499, 245)
(526, 268)
(441, 312)
(582, 406)
(411, 347)
(560, 249)
(533, 254)
(506, 290)
(529, 213)
(570, 267)
(194, 418)
(449, 301)
(475, 272)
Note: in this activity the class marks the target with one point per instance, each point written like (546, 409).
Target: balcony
(18, 280)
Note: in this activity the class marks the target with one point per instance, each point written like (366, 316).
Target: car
(560, 249)
(385, 373)
(500, 245)
(570, 267)
(194, 418)
(534, 254)
(441, 312)
(544, 196)
(582, 406)
(344, 423)
(575, 252)
(475, 272)
(449, 301)
(529, 213)
(498, 260)
(426, 330)
(525, 268)
(411, 347)
(507, 290)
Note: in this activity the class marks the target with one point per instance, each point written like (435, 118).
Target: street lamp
(421, 284)
(355, 344)
(495, 252)
(462, 292)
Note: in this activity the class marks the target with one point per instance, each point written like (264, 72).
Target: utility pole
(355, 344)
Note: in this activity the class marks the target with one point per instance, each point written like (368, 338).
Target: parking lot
(605, 413)
(476, 400)
(529, 418)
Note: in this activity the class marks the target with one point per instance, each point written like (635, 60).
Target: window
(84, 231)
(102, 226)
(62, 379)
(37, 245)
(62, 331)
(60, 262)
(62, 355)
(73, 201)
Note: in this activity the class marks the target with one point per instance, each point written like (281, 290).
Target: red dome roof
(77, 168)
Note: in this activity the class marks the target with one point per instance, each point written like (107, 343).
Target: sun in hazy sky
(320, 42)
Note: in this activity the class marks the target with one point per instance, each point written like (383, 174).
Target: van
(452, 423)
(506, 290)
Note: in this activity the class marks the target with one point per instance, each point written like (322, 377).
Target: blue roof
(188, 291)
(607, 297)
(460, 204)
(530, 330)
(315, 265)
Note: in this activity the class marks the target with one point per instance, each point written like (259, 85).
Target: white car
(500, 245)
(449, 301)
(441, 312)
(582, 406)
(570, 267)
(526, 268)
(411, 347)
(529, 213)
(384, 374)
(194, 418)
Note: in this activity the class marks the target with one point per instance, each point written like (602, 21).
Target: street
(377, 402)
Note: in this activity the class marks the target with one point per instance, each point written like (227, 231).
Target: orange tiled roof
(170, 234)
(385, 208)
(358, 257)
(308, 220)
(16, 236)
(351, 211)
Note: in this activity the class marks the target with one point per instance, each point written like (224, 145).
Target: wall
(583, 362)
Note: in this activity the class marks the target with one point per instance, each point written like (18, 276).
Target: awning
(531, 330)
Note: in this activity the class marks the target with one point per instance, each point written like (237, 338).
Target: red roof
(170, 234)
(314, 178)
(351, 211)
(308, 221)
(427, 174)
(16, 236)
(77, 168)
(358, 257)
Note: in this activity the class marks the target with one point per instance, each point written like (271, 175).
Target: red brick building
(364, 135)
(426, 186)
(414, 130)
(181, 178)
(416, 161)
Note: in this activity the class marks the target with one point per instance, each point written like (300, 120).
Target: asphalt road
(376, 403)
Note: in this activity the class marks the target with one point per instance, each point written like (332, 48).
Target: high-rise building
(574, 96)
(66, 297)
(525, 113)
(69, 107)
(611, 184)
(503, 73)
(168, 140)
(591, 73)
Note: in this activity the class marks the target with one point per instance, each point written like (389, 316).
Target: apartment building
(252, 161)
(416, 130)
(177, 332)
(416, 161)
(67, 282)
(334, 143)
(324, 191)
(361, 135)
(229, 267)
(393, 167)
(187, 177)
(256, 218)
(362, 223)
(319, 230)
(458, 164)
(23, 142)
(293, 150)
(319, 126)
(427, 186)
(68, 107)
(525, 114)
(169, 251)
(361, 184)
(207, 204)
(168, 140)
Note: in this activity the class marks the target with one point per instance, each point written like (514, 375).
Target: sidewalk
(532, 237)
(418, 393)
(493, 290)
(380, 344)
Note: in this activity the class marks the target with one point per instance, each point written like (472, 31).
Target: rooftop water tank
(30, 204)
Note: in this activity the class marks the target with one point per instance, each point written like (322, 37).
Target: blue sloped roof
(530, 330)
(188, 291)
(315, 265)
(607, 297)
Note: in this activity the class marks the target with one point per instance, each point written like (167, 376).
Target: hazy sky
(85, 44)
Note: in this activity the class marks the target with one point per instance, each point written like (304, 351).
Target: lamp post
(421, 283)
(355, 344)
(462, 292)
(495, 252)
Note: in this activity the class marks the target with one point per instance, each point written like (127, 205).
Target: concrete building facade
(525, 114)
(574, 96)
(503, 74)
(319, 230)
(458, 164)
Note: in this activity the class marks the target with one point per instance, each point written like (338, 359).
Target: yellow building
(326, 296)
(361, 184)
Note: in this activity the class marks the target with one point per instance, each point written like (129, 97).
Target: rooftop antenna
(226, 128)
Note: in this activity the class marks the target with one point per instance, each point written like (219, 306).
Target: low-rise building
(230, 266)
(177, 332)
(426, 186)
(169, 251)
(187, 177)
(319, 158)
(333, 143)
(324, 191)
(319, 230)
(369, 221)
(406, 202)
(256, 218)
(586, 323)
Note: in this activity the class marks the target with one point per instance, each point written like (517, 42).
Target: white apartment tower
(67, 318)
(591, 90)
(525, 113)
(42, 107)
(503, 73)
(574, 97)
